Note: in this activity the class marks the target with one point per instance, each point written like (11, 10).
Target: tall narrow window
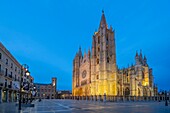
(107, 38)
(97, 61)
(143, 75)
(107, 59)
(98, 39)
(98, 49)
(0, 55)
(11, 65)
(15, 69)
(97, 77)
(6, 61)
(11, 75)
(15, 77)
(5, 82)
(6, 72)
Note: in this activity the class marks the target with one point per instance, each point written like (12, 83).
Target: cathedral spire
(136, 53)
(80, 53)
(103, 21)
(141, 53)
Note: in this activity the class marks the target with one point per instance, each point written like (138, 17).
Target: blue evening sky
(45, 34)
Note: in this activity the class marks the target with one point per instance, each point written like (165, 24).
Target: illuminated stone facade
(96, 72)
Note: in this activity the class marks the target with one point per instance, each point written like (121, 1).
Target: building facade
(10, 77)
(96, 72)
(46, 91)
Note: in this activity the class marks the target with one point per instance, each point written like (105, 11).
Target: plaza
(83, 106)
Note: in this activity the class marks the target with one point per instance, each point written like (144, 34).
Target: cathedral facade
(96, 72)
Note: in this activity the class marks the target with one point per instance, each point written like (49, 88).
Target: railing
(10, 76)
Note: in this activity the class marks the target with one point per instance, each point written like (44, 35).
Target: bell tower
(103, 75)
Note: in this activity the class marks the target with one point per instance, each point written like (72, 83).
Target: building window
(98, 39)
(97, 77)
(11, 65)
(6, 72)
(107, 59)
(97, 61)
(143, 75)
(107, 38)
(0, 67)
(98, 49)
(0, 55)
(15, 69)
(84, 60)
(15, 77)
(5, 82)
(6, 61)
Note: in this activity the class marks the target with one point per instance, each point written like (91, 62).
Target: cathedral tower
(103, 74)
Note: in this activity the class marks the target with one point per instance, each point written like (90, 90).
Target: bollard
(104, 99)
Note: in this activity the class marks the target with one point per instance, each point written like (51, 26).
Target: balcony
(9, 76)
(1, 72)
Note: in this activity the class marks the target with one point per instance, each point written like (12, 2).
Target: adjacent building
(10, 77)
(64, 94)
(96, 72)
(46, 91)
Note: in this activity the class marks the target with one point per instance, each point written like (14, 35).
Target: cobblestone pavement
(9, 108)
(75, 106)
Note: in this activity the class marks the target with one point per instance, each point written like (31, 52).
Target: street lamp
(27, 73)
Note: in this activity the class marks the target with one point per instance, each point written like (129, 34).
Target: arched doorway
(144, 91)
(150, 93)
(138, 92)
(127, 92)
(118, 92)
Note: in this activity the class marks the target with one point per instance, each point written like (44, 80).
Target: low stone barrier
(109, 98)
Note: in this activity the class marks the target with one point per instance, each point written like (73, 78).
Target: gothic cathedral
(96, 72)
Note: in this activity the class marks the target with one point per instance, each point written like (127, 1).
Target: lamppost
(166, 101)
(24, 68)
